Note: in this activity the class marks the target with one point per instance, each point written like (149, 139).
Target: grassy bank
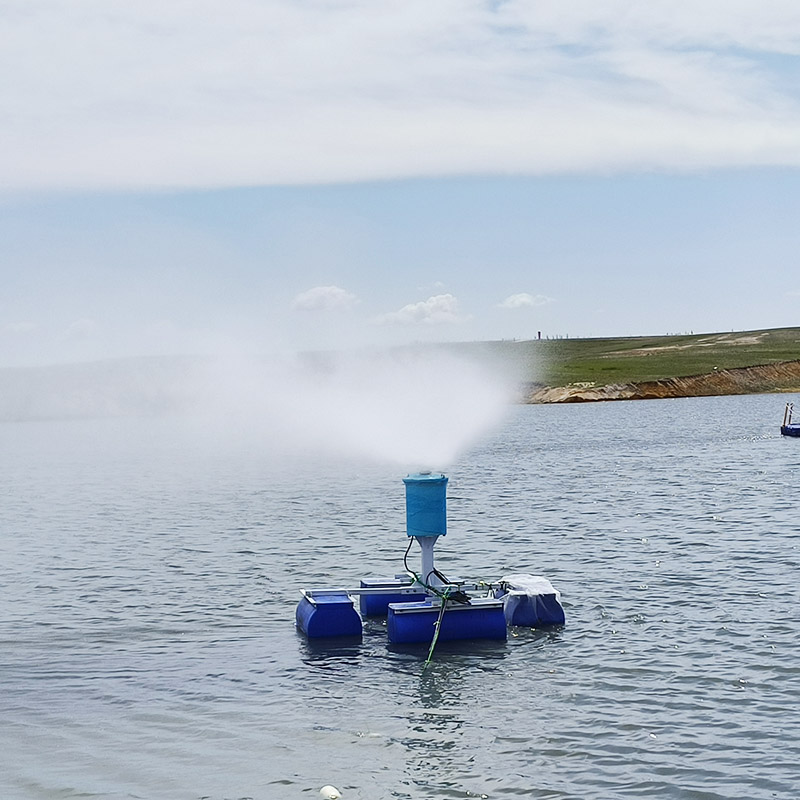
(559, 362)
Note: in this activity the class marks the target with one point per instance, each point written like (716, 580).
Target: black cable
(458, 596)
(439, 575)
(408, 550)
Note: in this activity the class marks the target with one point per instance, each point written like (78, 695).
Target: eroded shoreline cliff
(783, 376)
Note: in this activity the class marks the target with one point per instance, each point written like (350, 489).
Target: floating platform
(789, 428)
(426, 608)
(412, 613)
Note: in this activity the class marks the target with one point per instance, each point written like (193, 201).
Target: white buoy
(330, 793)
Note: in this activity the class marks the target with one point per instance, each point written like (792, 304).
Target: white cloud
(442, 308)
(194, 94)
(19, 328)
(525, 300)
(82, 329)
(324, 298)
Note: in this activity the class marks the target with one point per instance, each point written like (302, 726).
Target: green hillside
(559, 362)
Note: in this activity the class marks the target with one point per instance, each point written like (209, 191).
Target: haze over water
(149, 581)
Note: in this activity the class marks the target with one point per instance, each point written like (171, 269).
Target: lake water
(148, 583)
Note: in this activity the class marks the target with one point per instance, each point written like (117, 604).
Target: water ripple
(147, 648)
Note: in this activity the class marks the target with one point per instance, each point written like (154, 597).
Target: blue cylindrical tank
(426, 506)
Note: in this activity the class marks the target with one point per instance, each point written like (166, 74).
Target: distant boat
(789, 428)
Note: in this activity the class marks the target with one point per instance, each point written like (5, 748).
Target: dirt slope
(780, 377)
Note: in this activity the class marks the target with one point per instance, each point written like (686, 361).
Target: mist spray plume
(409, 407)
(418, 407)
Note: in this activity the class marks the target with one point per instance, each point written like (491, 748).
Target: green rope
(444, 596)
(437, 627)
(429, 587)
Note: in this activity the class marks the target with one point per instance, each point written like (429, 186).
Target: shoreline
(780, 377)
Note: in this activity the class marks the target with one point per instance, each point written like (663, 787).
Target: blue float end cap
(322, 614)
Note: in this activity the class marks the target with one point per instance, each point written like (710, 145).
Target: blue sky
(283, 176)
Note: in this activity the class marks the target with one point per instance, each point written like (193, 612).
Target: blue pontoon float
(789, 428)
(425, 607)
